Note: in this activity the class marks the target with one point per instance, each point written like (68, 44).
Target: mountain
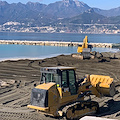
(88, 17)
(40, 14)
(66, 8)
(26, 13)
(71, 11)
(108, 13)
(36, 6)
(111, 20)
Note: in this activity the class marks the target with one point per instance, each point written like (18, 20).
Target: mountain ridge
(37, 14)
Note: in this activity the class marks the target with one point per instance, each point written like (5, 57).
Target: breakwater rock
(101, 57)
(116, 45)
(53, 43)
(110, 55)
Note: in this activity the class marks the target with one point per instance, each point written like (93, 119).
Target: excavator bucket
(104, 84)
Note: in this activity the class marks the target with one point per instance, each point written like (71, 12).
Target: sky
(102, 4)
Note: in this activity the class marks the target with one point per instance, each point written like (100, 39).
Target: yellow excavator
(84, 50)
(60, 94)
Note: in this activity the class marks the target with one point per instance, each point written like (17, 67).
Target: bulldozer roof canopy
(57, 68)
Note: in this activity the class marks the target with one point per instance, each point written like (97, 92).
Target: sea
(15, 52)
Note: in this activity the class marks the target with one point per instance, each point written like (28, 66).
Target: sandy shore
(26, 73)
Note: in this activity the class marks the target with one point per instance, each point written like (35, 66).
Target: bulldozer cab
(64, 77)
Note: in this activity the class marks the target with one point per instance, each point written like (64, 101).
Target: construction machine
(83, 50)
(60, 94)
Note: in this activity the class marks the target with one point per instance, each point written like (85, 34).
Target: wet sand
(15, 97)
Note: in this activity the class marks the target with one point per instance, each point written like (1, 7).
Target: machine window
(64, 79)
(72, 86)
(50, 77)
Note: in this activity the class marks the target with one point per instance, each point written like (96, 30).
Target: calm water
(39, 52)
(102, 38)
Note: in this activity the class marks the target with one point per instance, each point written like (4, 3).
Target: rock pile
(116, 45)
(106, 55)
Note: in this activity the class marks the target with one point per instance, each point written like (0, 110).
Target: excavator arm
(84, 45)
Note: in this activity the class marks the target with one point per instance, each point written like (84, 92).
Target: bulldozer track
(65, 109)
(68, 106)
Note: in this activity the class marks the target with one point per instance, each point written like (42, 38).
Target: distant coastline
(116, 33)
(80, 29)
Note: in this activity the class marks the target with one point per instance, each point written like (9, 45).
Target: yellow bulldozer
(83, 50)
(60, 94)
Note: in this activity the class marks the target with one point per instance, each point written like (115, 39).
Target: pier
(53, 43)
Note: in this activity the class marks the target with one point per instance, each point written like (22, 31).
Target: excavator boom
(84, 45)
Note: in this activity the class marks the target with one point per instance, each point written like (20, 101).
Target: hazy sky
(103, 4)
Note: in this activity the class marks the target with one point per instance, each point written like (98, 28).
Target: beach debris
(7, 82)
(3, 83)
(11, 82)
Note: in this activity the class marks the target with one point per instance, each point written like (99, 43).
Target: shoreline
(54, 43)
(29, 58)
(62, 33)
(40, 57)
(115, 55)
